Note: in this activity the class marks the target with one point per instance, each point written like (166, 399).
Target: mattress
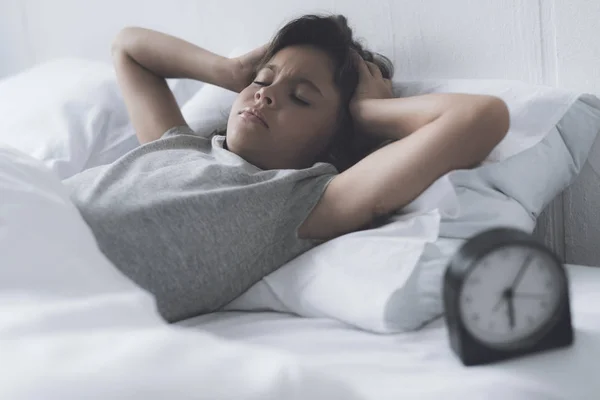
(421, 364)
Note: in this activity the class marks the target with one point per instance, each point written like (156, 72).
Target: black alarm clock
(505, 295)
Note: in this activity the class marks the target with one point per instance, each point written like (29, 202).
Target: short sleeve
(178, 130)
(305, 194)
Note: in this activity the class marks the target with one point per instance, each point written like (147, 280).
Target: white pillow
(69, 113)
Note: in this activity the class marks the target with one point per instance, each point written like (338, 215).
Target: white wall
(553, 42)
(441, 38)
(539, 41)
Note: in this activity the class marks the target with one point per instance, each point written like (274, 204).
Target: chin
(236, 141)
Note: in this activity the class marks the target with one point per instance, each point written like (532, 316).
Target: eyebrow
(306, 81)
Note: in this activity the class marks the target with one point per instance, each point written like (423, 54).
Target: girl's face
(287, 116)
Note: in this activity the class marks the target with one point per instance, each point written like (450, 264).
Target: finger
(262, 49)
(374, 69)
(254, 54)
(363, 69)
(258, 52)
(388, 82)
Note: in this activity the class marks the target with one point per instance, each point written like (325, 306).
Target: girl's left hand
(371, 85)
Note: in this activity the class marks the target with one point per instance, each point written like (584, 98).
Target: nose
(265, 95)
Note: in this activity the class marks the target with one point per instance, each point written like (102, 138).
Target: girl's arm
(439, 133)
(143, 59)
(400, 117)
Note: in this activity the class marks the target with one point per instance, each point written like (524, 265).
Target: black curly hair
(331, 34)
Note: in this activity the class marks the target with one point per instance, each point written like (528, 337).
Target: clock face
(511, 296)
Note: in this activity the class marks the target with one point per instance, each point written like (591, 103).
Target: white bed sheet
(420, 364)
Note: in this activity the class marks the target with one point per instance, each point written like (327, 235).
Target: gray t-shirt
(193, 223)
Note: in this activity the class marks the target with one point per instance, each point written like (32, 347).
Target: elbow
(491, 121)
(118, 43)
(494, 118)
(500, 114)
(123, 40)
(488, 121)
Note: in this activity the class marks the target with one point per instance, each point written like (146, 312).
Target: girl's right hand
(244, 67)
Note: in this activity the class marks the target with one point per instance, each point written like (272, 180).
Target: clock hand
(521, 272)
(502, 298)
(530, 295)
(511, 310)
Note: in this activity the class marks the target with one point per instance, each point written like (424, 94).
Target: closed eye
(299, 100)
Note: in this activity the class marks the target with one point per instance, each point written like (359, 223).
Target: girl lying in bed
(197, 221)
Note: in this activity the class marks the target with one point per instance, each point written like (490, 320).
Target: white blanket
(72, 327)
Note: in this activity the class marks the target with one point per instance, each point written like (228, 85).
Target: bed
(71, 326)
(420, 364)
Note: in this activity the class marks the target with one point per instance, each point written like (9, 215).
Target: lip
(254, 113)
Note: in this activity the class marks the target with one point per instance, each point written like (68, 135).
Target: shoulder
(178, 130)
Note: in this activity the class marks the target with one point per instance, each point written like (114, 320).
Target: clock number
(530, 320)
(468, 299)
(475, 317)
